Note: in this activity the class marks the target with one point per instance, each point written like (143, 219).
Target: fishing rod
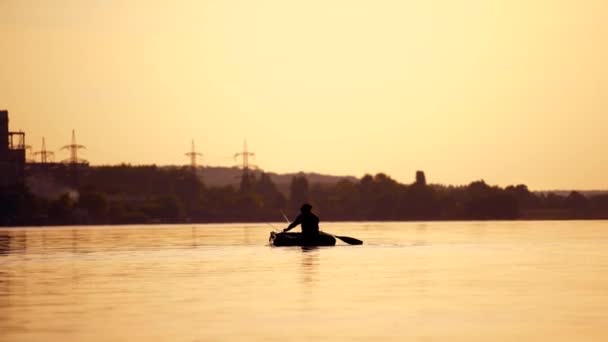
(275, 229)
(285, 216)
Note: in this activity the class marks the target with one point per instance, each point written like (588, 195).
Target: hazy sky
(507, 91)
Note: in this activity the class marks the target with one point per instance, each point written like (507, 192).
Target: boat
(282, 239)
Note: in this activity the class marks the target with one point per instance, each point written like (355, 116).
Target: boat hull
(297, 239)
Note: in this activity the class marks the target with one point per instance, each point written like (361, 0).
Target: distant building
(420, 178)
(12, 154)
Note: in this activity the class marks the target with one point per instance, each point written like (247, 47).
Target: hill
(216, 176)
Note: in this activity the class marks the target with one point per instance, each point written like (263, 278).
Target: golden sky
(509, 91)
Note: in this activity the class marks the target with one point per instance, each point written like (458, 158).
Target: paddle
(347, 239)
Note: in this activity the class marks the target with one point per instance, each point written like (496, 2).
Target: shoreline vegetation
(125, 194)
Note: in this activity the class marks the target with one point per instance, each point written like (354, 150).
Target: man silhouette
(309, 222)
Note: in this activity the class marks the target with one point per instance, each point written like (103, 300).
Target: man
(309, 222)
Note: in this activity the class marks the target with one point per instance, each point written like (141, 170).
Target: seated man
(309, 222)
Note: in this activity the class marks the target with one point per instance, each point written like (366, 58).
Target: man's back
(309, 222)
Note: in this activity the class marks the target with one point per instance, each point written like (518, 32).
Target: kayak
(296, 239)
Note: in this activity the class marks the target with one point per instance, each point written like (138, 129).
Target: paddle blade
(349, 240)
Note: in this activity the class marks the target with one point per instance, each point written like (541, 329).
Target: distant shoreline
(64, 195)
(264, 223)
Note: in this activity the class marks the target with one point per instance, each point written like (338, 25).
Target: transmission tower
(245, 154)
(45, 155)
(247, 178)
(73, 148)
(29, 154)
(193, 154)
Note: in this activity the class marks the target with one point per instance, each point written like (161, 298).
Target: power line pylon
(247, 178)
(73, 148)
(29, 154)
(193, 154)
(45, 155)
(245, 154)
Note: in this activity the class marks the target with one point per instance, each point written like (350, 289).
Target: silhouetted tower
(247, 178)
(12, 153)
(193, 154)
(3, 133)
(73, 148)
(29, 154)
(45, 155)
(245, 156)
(420, 178)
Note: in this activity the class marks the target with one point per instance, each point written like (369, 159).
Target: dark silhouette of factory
(12, 154)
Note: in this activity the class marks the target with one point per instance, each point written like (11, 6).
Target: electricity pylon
(73, 148)
(245, 154)
(45, 155)
(193, 154)
(29, 154)
(247, 178)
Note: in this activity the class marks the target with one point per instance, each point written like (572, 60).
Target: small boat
(296, 239)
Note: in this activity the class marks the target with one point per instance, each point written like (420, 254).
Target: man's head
(306, 208)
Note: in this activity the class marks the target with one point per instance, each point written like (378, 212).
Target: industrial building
(12, 154)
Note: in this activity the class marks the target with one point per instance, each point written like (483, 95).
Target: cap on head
(306, 207)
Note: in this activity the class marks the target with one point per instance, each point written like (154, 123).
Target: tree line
(127, 194)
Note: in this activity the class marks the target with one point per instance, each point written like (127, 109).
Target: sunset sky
(507, 91)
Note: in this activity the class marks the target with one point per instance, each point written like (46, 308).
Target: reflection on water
(5, 243)
(420, 234)
(452, 281)
(310, 262)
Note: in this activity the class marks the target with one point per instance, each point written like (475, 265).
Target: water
(451, 281)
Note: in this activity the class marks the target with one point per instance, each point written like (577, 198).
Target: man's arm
(296, 222)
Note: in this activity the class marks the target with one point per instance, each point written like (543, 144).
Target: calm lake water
(447, 281)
